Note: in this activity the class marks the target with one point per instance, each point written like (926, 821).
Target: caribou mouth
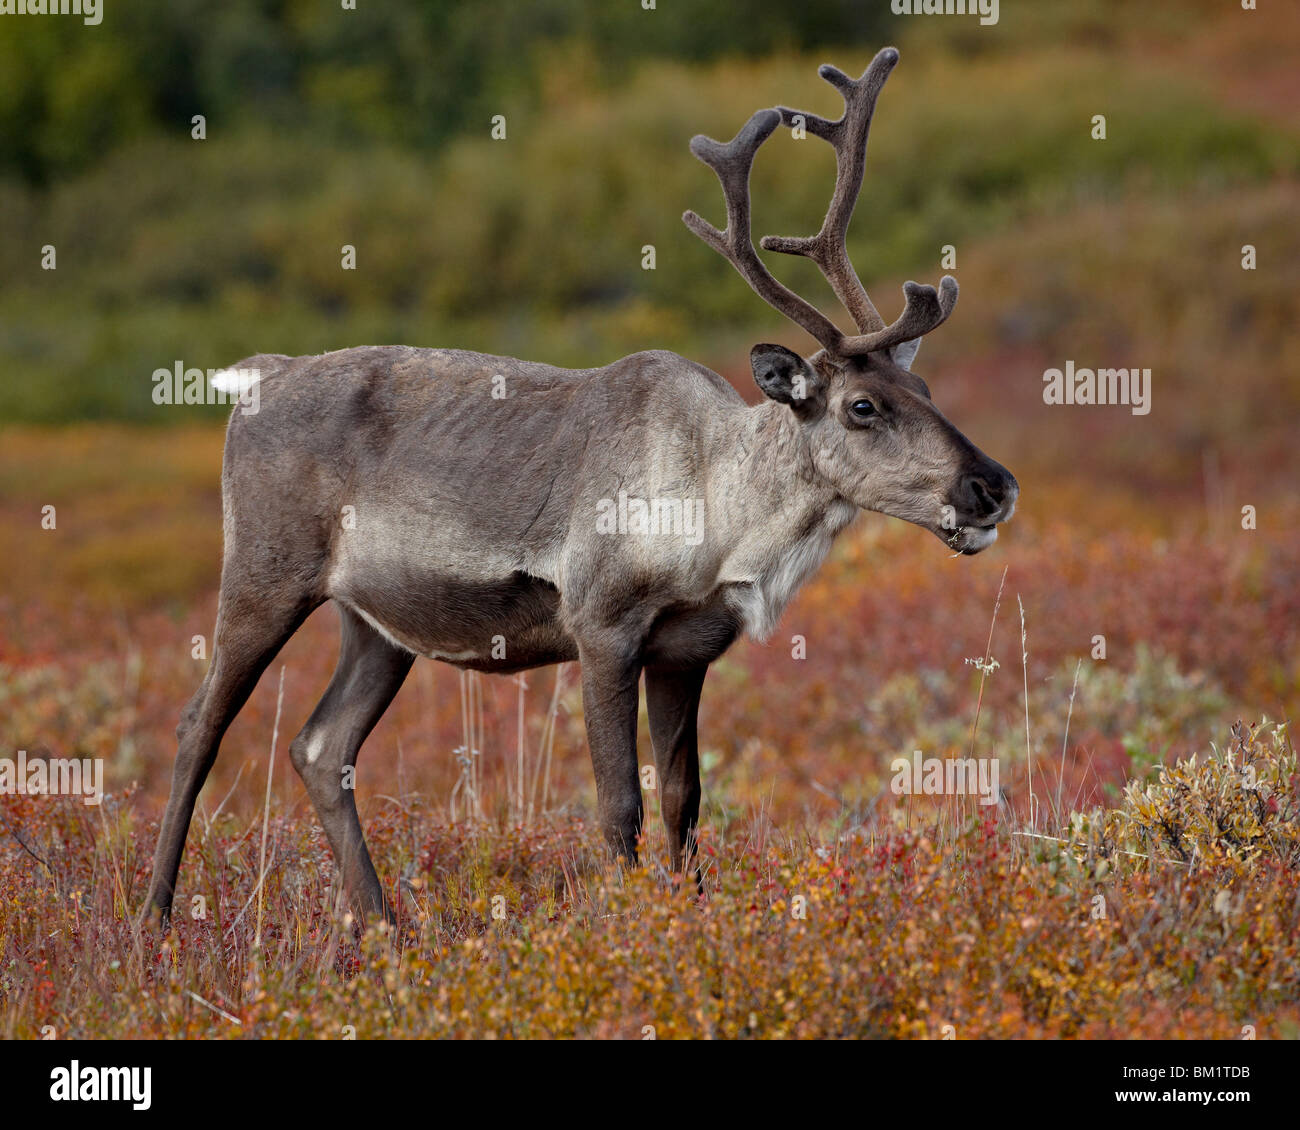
(970, 540)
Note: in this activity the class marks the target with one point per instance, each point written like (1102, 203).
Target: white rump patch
(233, 382)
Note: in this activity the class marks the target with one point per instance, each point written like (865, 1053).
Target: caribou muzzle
(985, 496)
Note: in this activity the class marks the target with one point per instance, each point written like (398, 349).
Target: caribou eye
(863, 409)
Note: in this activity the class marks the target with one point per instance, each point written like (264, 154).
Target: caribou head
(871, 431)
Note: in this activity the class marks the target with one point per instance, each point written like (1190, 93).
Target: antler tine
(925, 310)
(732, 163)
(848, 137)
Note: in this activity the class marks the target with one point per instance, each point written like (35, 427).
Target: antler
(848, 137)
(925, 307)
(732, 162)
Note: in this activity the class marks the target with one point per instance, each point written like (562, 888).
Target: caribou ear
(785, 377)
(904, 353)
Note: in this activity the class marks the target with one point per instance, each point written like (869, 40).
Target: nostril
(986, 501)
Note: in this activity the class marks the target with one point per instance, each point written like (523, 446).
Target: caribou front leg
(672, 701)
(611, 671)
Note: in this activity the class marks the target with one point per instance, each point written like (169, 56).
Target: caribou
(475, 488)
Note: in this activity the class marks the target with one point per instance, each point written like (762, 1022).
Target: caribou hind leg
(251, 629)
(369, 673)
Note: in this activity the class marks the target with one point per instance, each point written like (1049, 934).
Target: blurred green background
(371, 127)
